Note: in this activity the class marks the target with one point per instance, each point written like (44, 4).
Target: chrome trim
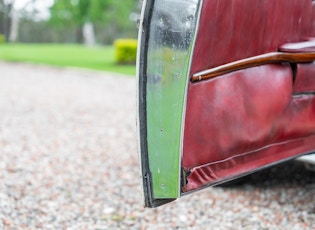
(186, 91)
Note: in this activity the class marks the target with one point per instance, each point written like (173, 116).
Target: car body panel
(228, 92)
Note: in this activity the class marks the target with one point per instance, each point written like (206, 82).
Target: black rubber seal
(150, 201)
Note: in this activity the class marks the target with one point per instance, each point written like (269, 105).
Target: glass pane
(171, 36)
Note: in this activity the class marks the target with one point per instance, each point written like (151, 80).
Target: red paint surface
(305, 78)
(251, 118)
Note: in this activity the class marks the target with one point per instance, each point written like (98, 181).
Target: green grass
(97, 58)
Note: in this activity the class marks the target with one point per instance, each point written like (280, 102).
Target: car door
(225, 88)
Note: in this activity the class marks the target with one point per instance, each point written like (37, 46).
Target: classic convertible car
(225, 88)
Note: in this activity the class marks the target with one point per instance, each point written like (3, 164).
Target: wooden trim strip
(269, 58)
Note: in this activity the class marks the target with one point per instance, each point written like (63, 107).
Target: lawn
(97, 58)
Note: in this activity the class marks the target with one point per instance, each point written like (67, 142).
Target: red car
(234, 96)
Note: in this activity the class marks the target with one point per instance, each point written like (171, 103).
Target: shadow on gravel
(288, 186)
(288, 174)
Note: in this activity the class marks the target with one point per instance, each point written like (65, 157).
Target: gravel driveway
(69, 161)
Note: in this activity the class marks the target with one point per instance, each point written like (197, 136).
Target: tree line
(70, 21)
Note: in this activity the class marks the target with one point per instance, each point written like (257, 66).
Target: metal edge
(143, 43)
(308, 158)
(308, 161)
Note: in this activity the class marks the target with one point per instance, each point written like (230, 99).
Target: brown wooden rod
(275, 57)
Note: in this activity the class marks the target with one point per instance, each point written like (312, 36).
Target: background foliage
(126, 51)
(55, 34)
(2, 38)
(106, 20)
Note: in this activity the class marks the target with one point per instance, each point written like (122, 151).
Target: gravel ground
(69, 161)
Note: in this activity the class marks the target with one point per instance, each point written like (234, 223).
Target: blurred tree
(5, 20)
(86, 15)
(40, 31)
(9, 19)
